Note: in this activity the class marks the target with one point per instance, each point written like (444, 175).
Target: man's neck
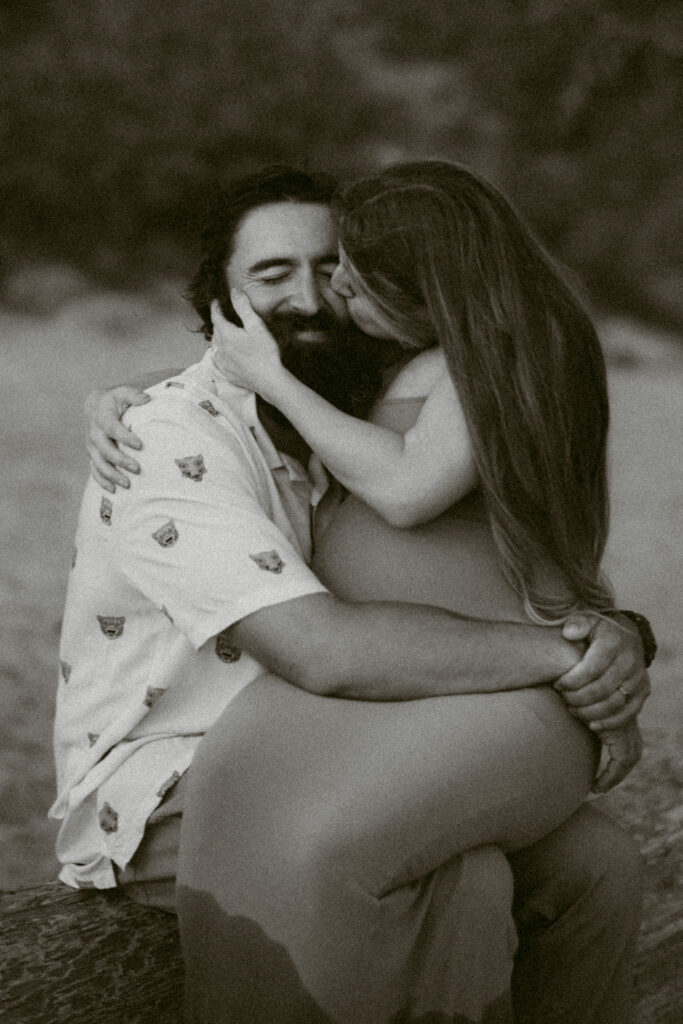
(282, 433)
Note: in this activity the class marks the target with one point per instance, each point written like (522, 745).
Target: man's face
(283, 256)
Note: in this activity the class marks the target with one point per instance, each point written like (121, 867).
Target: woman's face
(363, 309)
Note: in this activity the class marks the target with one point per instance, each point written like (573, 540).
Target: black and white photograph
(342, 512)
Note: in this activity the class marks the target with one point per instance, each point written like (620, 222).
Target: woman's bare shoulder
(418, 377)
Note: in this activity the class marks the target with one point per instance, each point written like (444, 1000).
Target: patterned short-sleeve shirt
(215, 527)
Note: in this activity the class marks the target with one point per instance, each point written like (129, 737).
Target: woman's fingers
(104, 471)
(107, 442)
(107, 435)
(114, 435)
(248, 356)
(243, 307)
(217, 319)
(124, 397)
(127, 395)
(104, 409)
(105, 452)
(101, 480)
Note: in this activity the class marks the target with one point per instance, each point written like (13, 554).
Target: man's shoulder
(189, 400)
(189, 428)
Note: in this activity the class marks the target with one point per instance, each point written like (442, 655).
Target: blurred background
(117, 123)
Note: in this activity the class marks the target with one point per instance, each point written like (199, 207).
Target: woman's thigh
(389, 791)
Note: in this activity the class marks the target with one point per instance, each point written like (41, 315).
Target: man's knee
(606, 866)
(588, 864)
(617, 880)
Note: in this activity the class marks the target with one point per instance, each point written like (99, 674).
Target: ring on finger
(623, 691)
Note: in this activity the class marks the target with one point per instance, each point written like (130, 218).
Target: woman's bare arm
(407, 478)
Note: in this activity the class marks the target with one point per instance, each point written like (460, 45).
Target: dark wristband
(647, 637)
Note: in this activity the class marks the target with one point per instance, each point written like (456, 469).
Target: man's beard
(344, 367)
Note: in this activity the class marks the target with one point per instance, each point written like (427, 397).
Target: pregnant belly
(450, 562)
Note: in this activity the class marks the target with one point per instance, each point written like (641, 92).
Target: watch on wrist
(647, 637)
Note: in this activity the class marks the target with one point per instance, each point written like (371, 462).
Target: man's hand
(622, 749)
(609, 686)
(106, 433)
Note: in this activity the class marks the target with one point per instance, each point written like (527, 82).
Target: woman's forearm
(364, 457)
(408, 479)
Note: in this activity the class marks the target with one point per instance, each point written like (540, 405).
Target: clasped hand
(607, 689)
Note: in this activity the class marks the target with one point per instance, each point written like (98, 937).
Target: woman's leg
(320, 849)
(438, 951)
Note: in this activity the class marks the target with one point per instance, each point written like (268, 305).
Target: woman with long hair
(478, 485)
(515, 396)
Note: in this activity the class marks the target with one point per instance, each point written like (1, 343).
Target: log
(87, 957)
(95, 957)
(659, 967)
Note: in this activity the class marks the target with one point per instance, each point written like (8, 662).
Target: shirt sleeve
(196, 533)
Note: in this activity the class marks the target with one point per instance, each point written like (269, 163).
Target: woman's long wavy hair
(448, 260)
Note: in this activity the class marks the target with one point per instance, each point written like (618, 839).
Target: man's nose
(307, 297)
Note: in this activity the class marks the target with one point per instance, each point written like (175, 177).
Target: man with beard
(216, 531)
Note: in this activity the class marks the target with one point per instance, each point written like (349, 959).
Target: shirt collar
(242, 403)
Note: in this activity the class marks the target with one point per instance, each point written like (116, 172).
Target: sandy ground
(51, 362)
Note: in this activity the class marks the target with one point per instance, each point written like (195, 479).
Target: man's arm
(394, 651)
(400, 652)
(211, 574)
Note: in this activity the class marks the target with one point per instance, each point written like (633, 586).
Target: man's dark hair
(271, 185)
